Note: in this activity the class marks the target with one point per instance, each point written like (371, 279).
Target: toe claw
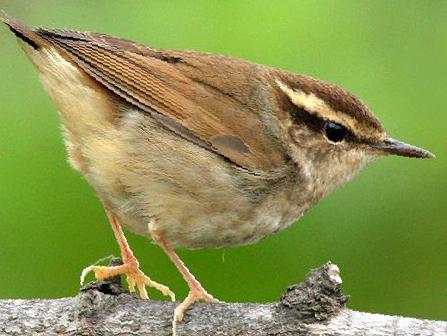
(100, 272)
(84, 273)
(193, 296)
(135, 278)
(131, 283)
(161, 288)
(141, 288)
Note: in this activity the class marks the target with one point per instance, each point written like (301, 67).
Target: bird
(197, 150)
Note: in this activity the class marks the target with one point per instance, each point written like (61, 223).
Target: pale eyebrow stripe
(317, 106)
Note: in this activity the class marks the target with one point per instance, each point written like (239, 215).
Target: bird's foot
(194, 295)
(135, 277)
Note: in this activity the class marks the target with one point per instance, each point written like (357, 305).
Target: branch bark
(314, 307)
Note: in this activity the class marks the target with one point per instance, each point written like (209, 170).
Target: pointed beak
(394, 147)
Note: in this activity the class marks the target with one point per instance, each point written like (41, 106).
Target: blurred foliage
(386, 229)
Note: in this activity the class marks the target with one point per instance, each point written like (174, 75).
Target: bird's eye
(334, 132)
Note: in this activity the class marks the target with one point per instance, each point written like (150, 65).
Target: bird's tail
(24, 33)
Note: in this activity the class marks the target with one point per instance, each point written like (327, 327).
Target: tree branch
(314, 307)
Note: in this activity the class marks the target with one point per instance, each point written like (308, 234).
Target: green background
(386, 230)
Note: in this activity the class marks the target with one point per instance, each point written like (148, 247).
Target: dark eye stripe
(301, 116)
(315, 123)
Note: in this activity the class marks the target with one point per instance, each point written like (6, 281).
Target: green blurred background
(386, 230)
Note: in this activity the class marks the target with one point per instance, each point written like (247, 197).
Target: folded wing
(164, 85)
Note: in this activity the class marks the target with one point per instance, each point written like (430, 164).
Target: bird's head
(331, 133)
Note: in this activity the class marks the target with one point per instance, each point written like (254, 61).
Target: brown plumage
(168, 86)
(197, 150)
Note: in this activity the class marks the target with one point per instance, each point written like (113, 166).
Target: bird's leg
(196, 291)
(130, 267)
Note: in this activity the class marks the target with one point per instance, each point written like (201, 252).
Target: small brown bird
(196, 150)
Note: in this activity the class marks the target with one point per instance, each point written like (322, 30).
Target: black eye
(334, 132)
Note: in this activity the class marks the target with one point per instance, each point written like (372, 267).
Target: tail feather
(24, 33)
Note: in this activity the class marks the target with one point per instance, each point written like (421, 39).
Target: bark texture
(313, 307)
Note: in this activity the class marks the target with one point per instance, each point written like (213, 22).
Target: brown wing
(179, 89)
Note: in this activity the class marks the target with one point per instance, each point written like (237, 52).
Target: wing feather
(151, 81)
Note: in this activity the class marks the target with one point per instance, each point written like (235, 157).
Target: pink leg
(130, 267)
(126, 252)
(196, 291)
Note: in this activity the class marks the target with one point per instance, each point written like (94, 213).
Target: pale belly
(194, 225)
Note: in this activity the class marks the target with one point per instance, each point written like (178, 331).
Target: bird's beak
(395, 147)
